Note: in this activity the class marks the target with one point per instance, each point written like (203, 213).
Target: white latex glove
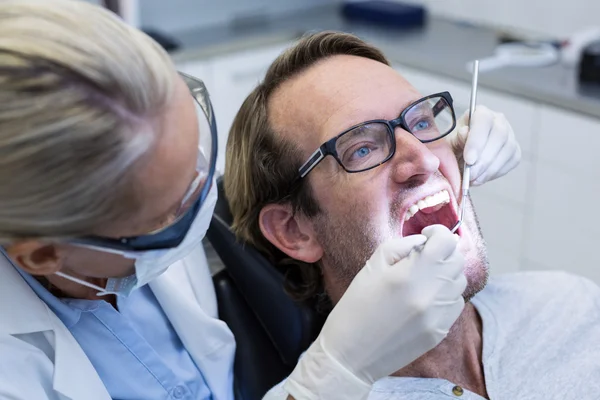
(490, 148)
(398, 307)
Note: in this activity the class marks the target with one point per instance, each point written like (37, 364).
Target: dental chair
(270, 328)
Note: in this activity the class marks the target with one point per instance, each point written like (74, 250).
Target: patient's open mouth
(431, 210)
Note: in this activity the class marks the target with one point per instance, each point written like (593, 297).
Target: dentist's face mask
(152, 263)
(155, 252)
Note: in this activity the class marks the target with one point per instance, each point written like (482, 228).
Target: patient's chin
(473, 247)
(476, 272)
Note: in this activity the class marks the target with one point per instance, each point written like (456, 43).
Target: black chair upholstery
(257, 366)
(289, 326)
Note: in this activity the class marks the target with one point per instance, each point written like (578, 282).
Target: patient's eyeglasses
(372, 143)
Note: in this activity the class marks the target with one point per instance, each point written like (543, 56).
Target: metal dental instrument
(466, 180)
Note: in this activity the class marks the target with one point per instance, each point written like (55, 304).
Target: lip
(421, 195)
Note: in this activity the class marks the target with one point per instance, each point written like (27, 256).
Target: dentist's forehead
(334, 94)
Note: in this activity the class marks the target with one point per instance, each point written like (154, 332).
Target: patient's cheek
(383, 225)
(449, 167)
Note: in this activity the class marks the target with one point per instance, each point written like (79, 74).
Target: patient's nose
(414, 162)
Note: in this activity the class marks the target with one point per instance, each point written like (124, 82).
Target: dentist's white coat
(40, 359)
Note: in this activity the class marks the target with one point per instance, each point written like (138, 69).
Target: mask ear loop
(101, 290)
(113, 285)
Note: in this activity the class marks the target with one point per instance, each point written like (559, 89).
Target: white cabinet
(565, 226)
(564, 231)
(570, 141)
(502, 228)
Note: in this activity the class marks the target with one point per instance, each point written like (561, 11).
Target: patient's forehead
(334, 94)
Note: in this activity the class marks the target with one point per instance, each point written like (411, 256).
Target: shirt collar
(67, 314)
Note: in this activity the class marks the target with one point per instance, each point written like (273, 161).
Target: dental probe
(466, 181)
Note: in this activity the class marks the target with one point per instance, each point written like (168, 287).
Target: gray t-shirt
(541, 340)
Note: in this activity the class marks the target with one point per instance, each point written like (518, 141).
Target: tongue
(440, 214)
(419, 221)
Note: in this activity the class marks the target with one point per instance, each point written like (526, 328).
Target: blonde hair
(261, 167)
(78, 93)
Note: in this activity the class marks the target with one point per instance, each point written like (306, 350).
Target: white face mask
(151, 264)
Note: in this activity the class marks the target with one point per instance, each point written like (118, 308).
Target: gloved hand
(399, 306)
(490, 148)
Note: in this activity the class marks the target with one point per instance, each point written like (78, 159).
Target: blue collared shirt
(136, 351)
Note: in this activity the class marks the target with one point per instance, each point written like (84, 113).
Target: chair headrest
(222, 207)
(291, 326)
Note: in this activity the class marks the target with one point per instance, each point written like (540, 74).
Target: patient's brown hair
(261, 167)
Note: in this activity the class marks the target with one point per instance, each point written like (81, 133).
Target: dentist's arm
(490, 147)
(398, 307)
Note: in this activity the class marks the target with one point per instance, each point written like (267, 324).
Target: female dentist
(106, 191)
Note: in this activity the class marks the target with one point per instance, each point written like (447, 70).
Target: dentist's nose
(414, 162)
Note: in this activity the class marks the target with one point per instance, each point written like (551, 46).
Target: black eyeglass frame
(173, 235)
(328, 148)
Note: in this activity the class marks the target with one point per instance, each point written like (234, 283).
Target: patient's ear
(35, 257)
(292, 234)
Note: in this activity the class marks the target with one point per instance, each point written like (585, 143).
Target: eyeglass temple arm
(200, 93)
(312, 162)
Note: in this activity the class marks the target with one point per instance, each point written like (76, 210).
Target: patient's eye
(421, 125)
(362, 152)
(364, 146)
(359, 154)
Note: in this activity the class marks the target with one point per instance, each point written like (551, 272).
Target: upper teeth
(441, 197)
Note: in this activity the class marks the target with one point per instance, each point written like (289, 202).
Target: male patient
(533, 335)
